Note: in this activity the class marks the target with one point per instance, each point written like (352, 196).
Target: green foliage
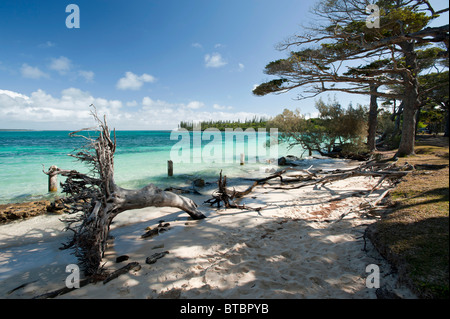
(394, 55)
(366, 69)
(385, 122)
(281, 65)
(437, 87)
(221, 125)
(347, 126)
(396, 18)
(433, 119)
(269, 87)
(393, 141)
(347, 36)
(400, 20)
(430, 57)
(436, 101)
(335, 128)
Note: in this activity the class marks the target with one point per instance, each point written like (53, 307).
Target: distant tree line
(255, 123)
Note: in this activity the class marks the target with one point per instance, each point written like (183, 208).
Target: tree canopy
(326, 53)
(337, 129)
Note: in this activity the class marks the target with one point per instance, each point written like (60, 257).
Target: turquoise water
(141, 158)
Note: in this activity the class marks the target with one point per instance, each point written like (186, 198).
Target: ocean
(141, 158)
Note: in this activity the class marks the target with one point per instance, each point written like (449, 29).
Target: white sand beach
(295, 247)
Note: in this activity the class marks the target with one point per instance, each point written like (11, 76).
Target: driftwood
(91, 279)
(125, 269)
(65, 290)
(365, 205)
(95, 199)
(384, 171)
(388, 171)
(21, 286)
(223, 194)
(153, 258)
(227, 196)
(151, 232)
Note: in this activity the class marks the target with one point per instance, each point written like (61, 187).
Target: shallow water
(141, 158)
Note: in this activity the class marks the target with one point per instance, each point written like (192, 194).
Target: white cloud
(218, 45)
(220, 107)
(71, 110)
(62, 65)
(241, 66)
(72, 99)
(87, 75)
(31, 72)
(214, 60)
(195, 105)
(148, 103)
(13, 95)
(132, 81)
(41, 110)
(132, 103)
(197, 45)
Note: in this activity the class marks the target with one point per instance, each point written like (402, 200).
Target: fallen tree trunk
(386, 171)
(365, 205)
(223, 194)
(89, 280)
(125, 269)
(340, 176)
(96, 200)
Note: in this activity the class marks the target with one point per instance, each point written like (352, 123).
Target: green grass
(414, 236)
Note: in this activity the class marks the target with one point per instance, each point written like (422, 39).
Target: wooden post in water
(52, 179)
(170, 168)
(242, 158)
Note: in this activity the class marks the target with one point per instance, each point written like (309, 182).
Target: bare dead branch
(95, 200)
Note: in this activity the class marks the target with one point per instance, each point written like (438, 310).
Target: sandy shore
(293, 248)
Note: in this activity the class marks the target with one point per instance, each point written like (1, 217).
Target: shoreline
(39, 204)
(292, 248)
(12, 212)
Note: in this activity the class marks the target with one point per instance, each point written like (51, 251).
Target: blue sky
(146, 64)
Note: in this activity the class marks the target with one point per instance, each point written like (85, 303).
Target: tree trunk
(100, 200)
(411, 100)
(416, 128)
(373, 119)
(408, 133)
(398, 118)
(152, 196)
(447, 121)
(92, 236)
